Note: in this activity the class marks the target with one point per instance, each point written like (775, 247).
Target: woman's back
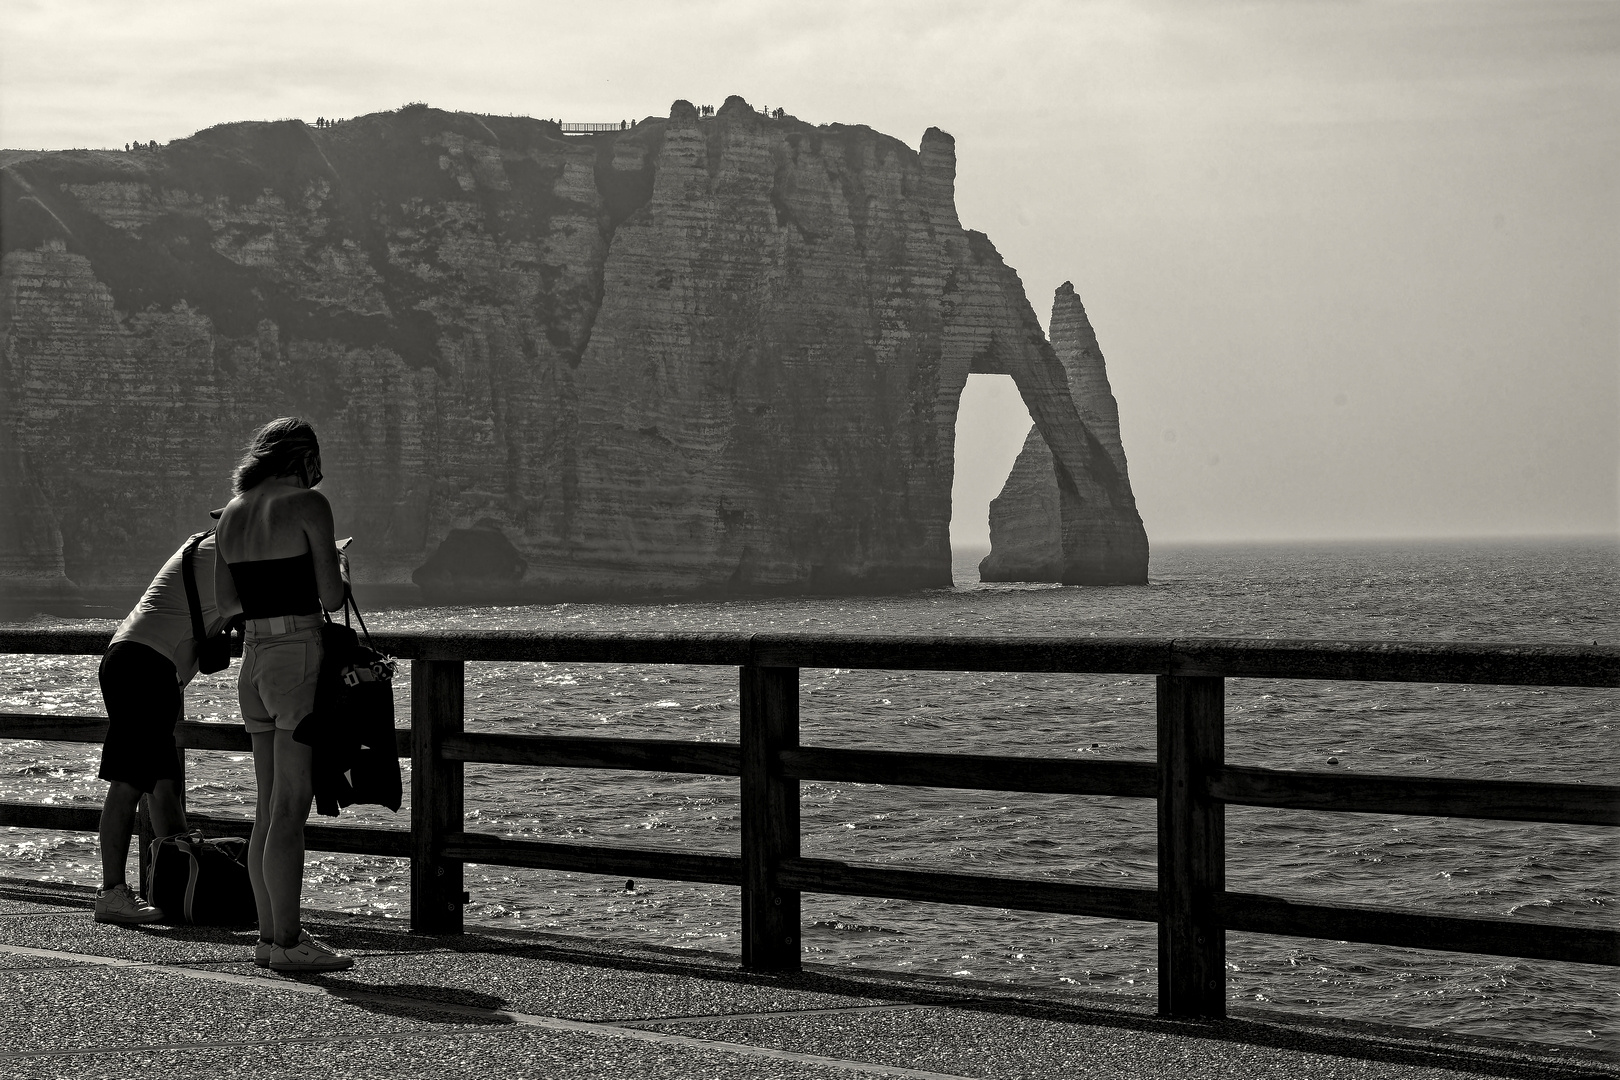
(268, 537)
(269, 521)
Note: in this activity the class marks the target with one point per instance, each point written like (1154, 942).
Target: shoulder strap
(189, 573)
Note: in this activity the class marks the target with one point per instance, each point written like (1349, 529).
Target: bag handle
(348, 603)
(185, 841)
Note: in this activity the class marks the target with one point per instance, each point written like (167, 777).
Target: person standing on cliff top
(143, 677)
(279, 562)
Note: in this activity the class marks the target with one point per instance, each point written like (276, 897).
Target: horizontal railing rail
(1190, 781)
(1354, 661)
(571, 752)
(1132, 779)
(1260, 914)
(348, 839)
(188, 734)
(978, 890)
(1370, 793)
(620, 861)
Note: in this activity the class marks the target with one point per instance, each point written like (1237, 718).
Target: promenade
(84, 1000)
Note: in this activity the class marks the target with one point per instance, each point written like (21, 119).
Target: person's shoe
(120, 904)
(261, 951)
(308, 955)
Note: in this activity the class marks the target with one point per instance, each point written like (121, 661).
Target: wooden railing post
(1192, 847)
(437, 703)
(769, 699)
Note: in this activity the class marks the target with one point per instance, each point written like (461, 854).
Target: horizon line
(1612, 537)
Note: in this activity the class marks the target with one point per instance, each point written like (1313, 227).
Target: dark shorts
(143, 702)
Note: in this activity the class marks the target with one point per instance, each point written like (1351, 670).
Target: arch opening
(992, 422)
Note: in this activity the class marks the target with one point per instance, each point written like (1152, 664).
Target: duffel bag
(201, 882)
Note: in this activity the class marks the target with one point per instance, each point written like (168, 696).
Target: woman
(279, 565)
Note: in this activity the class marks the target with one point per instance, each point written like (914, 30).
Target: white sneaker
(261, 949)
(308, 955)
(122, 905)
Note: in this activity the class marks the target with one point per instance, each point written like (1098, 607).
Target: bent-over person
(143, 676)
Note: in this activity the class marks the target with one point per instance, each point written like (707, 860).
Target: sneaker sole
(128, 920)
(305, 969)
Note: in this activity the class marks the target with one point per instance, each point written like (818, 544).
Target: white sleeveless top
(162, 618)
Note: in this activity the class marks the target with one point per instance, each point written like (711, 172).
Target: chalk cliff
(1027, 530)
(700, 355)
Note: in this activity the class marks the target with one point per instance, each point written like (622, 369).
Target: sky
(1355, 267)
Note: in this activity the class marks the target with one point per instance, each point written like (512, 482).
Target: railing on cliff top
(572, 127)
(1191, 781)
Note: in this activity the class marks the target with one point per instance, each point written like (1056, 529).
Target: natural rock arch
(1102, 541)
(702, 355)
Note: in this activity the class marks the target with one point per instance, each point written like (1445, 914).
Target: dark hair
(277, 449)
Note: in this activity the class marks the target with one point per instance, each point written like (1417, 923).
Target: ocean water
(1486, 591)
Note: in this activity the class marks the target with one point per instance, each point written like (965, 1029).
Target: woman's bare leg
(264, 773)
(283, 859)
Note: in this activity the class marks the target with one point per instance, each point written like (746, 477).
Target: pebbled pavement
(83, 1000)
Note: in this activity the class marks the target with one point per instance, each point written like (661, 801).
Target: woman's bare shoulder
(311, 509)
(286, 501)
(231, 513)
(308, 501)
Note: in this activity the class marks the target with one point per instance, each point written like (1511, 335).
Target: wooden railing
(1190, 780)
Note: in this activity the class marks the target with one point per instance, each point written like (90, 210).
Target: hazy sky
(1355, 266)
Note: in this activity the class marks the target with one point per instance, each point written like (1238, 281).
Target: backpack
(201, 882)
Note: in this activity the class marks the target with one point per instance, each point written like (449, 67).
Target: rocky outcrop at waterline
(697, 356)
(31, 571)
(1029, 535)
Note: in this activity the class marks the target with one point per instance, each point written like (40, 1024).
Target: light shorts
(279, 673)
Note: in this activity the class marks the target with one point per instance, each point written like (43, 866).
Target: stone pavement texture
(83, 1000)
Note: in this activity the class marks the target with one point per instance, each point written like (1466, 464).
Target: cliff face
(1028, 530)
(698, 355)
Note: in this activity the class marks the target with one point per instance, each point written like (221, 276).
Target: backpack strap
(189, 573)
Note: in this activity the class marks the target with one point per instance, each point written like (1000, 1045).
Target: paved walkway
(82, 1000)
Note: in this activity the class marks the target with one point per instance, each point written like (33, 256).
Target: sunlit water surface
(1546, 592)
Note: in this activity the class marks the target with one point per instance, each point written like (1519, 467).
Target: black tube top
(271, 587)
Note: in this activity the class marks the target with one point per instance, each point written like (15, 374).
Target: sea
(1562, 591)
